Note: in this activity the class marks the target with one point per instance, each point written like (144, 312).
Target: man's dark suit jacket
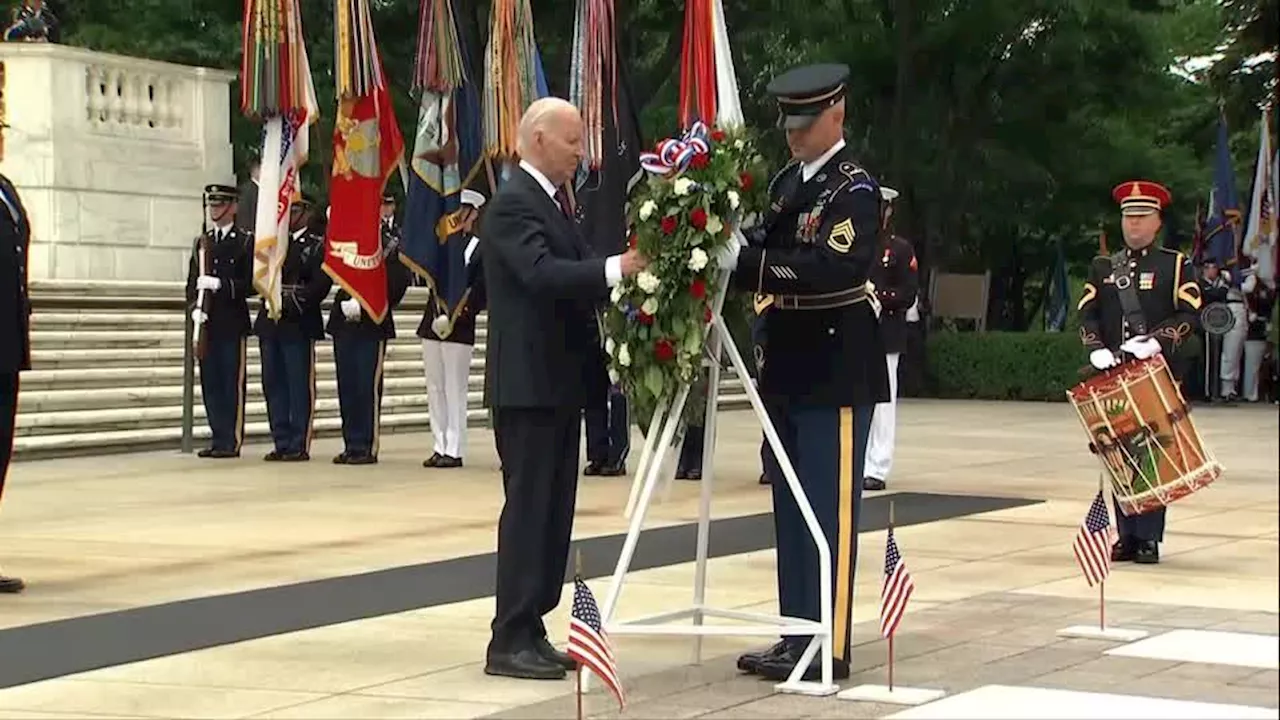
(15, 303)
(541, 300)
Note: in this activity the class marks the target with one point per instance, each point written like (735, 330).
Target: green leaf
(653, 380)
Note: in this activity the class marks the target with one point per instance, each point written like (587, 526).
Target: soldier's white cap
(888, 193)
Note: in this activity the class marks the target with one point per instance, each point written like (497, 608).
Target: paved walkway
(385, 564)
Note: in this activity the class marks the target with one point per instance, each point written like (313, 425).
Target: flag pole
(895, 631)
(577, 670)
(1102, 586)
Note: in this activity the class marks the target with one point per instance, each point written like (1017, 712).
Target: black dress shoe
(273, 456)
(299, 456)
(549, 652)
(872, 483)
(1147, 553)
(449, 461)
(525, 664)
(223, 454)
(779, 669)
(750, 662)
(207, 452)
(433, 461)
(682, 475)
(342, 458)
(1122, 552)
(592, 469)
(362, 459)
(764, 478)
(694, 475)
(11, 585)
(613, 470)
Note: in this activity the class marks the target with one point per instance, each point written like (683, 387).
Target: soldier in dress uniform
(808, 264)
(896, 282)
(15, 327)
(227, 283)
(1141, 301)
(359, 349)
(288, 345)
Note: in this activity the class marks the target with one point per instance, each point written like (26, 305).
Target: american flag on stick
(588, 643)
(1092, 545)
(896, 590)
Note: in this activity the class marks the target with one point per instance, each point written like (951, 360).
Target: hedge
(1004, 365)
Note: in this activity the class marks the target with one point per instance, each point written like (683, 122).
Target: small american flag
(896, 590)
(588, 643)
(1093, 543)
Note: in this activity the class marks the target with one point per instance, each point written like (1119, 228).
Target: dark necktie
(562, 199)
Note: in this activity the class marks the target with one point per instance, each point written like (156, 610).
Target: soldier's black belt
(821, 301)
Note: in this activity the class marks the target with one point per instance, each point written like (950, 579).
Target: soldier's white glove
(1141, 347)
(208, 282)
(727, 256)
(198, 317)
(1103, 358)
(351, 309)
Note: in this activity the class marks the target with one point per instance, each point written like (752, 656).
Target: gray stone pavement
(996, 638)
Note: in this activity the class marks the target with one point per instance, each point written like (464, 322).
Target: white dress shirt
(612, 264)
(809, 169)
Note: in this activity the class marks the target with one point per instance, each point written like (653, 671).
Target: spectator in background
(1213, 289)
(247, 213)
(1233, 341)
(33, 21)
(1260, 304)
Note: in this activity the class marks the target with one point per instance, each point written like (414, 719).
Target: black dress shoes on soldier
(1143, 552)
(11, 585)
(779, 661)
(598, 469)
(346, 458)
(277, 456)
(442, 461)
(540, 662)
(218, 453)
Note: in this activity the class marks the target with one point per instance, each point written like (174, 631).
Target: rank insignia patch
(1146, 281)
(841, 237)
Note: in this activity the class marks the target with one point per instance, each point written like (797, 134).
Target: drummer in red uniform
(1141, 301)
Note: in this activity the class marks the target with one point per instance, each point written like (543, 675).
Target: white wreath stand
(658, 442)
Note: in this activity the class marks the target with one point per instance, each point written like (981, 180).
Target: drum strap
(1128, 294)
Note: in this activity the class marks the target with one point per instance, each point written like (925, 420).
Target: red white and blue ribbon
(673, 155)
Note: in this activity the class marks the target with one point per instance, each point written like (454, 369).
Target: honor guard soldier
(808, 264)
(359, 350)
(1139, 302)
(288, 344)
(896, 284)
(219, 282)
(15, 327)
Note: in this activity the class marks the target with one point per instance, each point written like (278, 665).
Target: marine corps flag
(367, 148)
(448, 168)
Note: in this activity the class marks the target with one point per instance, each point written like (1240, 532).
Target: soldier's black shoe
(524, 664)
(779, 669)
(433, 461)
(750, 662)
(1122, 552)
(273, 456)
(11, 585)
(1148, 553)
(764, 478)
(872, 483)
(449, 461)
(207, 452)
(613, 470)
(342, 458)
(549, 652)
(221, 454)
(593, 469)
(694, 475)
(362, 459)
(299, 456)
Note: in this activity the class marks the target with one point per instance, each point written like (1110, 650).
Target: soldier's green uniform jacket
(810, 262)
(1168, 294)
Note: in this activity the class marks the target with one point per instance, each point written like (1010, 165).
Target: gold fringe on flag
(274, 77)
(357, 67)
(510, 67)
(438, 66)
(594, 73)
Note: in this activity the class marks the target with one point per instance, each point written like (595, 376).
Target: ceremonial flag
(896, 589)
(276, 87)
(1092, 545)
(1222, 226)
(1058, 294)
(708, 82)
(513, 75)
(367, 148)
(1260, 234)
(588, 643)
(600, 88)
(1197, 240)
(448, 167)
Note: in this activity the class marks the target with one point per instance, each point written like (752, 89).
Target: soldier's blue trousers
(222, 387)
(1148, 526)
(289, 384)
(827, 446)
(358, 362)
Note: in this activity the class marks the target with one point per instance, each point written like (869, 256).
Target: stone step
(42, 340)
(171, 357)
(150, 321)
(131, 376)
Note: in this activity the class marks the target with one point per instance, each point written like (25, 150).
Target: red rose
(664, 350)
(644, 317)
(746, 181)
(699, 218)
(717, 135)
(698, 288)
(633, 240)
(669, 224)
(706, 317)
(700, 161)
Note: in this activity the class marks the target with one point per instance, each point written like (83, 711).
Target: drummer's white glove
(208, 282)
(198, 317)
(1141, 347)
(1103, 358)
(351, 309)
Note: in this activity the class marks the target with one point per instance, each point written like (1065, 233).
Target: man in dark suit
(543, 286)
(15, 326)
(247, 209)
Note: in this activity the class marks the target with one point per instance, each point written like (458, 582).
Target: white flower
(616, 295)
(649, 306)
(624, 355)
(714, 225)
(647, 281)
(684, 185)
(738, 144)
(734, 200)
(697, 259)
(647, 209)
(609, 346)
(613, 376)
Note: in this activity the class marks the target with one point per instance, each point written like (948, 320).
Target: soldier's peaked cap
(222, 193)
(803, 93)
(304, 201)
(388, 197)
(1141, 197)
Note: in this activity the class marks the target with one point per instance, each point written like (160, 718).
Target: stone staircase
(107, 373)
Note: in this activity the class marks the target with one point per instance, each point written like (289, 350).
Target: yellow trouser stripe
(240, 380)
(377, 396)
(311, 414)
(844, 539)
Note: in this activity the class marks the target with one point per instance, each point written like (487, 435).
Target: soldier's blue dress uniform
(824, 369)
(359, 350)
(1169, 296)
(288, 344)
(227, 328)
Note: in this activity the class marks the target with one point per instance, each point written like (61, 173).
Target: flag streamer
(438, 66)
(512, 74)
(357, 68)
(594, 74)
(275, 75)
(708, 82)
